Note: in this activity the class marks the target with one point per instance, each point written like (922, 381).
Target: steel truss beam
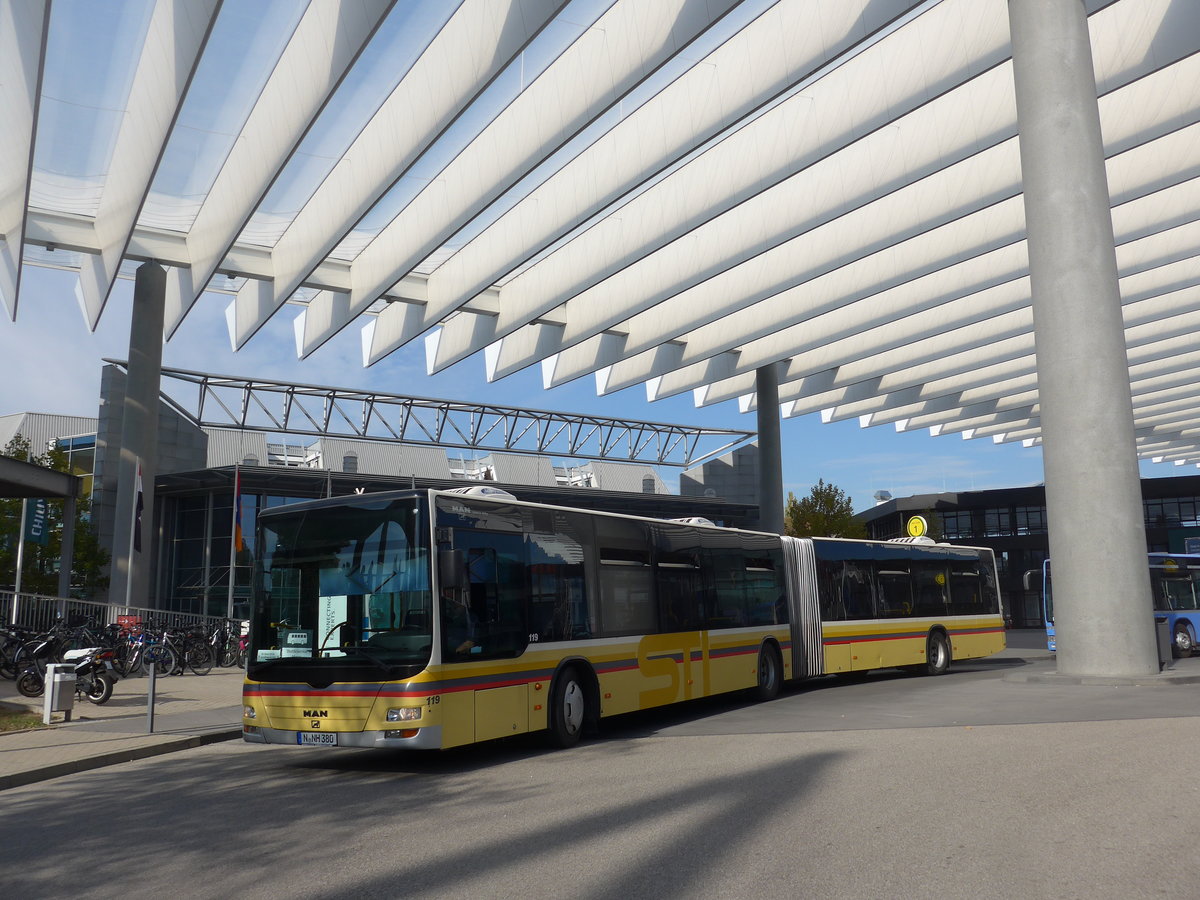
(255, 404)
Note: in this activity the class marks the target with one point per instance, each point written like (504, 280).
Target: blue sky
(54, 365)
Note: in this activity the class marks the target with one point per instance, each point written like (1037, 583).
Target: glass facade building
(196, 522)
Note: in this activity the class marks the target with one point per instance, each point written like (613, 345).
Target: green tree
(825, 512)
(39, 569)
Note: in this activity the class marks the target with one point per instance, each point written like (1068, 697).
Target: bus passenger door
(859, 603)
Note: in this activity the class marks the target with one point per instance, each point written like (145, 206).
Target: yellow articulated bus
(433, 619)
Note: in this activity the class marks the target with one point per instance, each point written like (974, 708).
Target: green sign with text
(37, 522)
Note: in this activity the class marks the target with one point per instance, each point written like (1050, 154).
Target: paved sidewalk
(190, 711)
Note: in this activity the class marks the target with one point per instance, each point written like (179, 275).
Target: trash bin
(1162, 631)
(59, 690)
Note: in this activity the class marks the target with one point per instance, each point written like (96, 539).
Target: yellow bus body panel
(501, 712)
(498, 698)
(887, 643)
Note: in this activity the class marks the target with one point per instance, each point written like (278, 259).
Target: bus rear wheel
(1182, 643)
(568, 709)
(770, 674)
(937, 654)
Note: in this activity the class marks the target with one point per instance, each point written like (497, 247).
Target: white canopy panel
(668, 193)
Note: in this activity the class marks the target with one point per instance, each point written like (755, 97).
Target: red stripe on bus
(868, 638)
(315, 695)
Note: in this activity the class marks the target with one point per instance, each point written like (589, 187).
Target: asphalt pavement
(193, 710)
(996, 780)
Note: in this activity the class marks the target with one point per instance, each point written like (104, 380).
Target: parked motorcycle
(94, 675)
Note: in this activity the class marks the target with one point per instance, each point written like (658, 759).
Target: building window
(350, 463)
(997, 523)
(648, 484)
(957, 525)
(1031, 519)
(1172, 512)
(250, 460)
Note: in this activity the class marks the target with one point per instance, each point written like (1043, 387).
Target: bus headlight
(404, 714)
(248, 712)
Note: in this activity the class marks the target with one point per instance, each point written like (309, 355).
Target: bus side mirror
(1030, 580)
(451, 565)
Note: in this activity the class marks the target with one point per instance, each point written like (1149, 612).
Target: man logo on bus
(314, 713)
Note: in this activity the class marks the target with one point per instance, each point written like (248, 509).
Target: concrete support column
(130, 579)
(1093, 490)
(770, 452)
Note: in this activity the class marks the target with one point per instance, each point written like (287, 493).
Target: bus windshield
(343, 591)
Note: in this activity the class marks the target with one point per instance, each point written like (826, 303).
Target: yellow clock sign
(917, 526)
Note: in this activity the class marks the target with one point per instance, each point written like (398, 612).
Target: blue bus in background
(1175, 586)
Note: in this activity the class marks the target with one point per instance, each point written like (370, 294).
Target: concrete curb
(1157, 679)
(45, 773)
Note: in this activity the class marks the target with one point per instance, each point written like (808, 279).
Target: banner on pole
(238, 543)
(37, 521)
(137, 512)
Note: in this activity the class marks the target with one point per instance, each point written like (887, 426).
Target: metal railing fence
(41, 612)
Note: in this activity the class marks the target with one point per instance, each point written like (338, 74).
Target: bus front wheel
(568, 707)
(937, 654)
(1183, 644)
(770, 674)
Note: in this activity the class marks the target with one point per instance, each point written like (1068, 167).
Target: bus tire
(1182, 644)
(568, 708)
(937, 654)
(770, 673)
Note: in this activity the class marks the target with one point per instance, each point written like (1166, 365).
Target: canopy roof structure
(672, 193)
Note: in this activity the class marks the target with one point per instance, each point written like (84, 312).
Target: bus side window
(829, 578)
(766, 593)
(679, 596)
(677, 577)
(966, 597)
(727, 573)
(495, 591)
(929, 585)
(558, 597)
(856, 590)
(894, 586)
(626, 578)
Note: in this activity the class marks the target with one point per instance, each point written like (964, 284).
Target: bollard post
(150, 699)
